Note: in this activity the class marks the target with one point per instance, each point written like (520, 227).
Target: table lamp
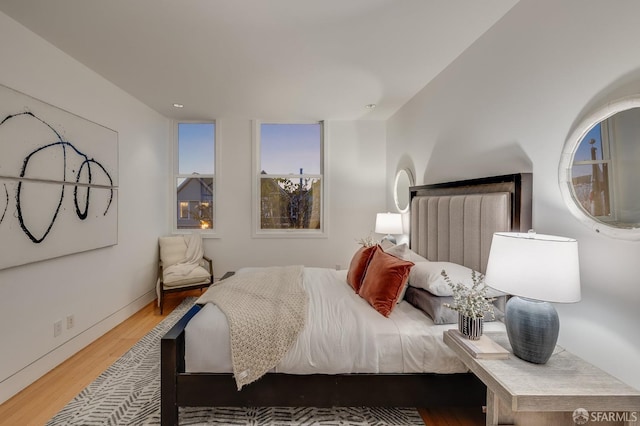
(536, 269)
(389, 223)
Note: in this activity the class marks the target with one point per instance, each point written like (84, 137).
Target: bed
(452, 222)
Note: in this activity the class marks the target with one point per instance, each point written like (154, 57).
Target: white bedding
(343, 334)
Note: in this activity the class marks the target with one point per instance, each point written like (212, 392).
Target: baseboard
(29, 374)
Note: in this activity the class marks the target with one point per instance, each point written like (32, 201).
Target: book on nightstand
(484, 348)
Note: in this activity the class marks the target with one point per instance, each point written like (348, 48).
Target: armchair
(182, 265)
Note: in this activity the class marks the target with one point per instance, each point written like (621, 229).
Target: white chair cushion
(172, 250)
(198, 275)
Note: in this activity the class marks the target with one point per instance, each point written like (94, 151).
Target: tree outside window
(290, 177)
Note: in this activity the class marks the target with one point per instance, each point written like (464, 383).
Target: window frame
(256, 229)
(607, 164)
(625, 230)
(213, 232)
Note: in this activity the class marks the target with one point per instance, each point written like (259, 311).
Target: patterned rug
(128, 393)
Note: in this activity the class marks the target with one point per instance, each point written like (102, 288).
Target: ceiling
(265, 59)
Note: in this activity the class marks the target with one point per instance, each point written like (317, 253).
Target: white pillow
(172, 250)
(386, 245)
(403, 252)
(428, 276)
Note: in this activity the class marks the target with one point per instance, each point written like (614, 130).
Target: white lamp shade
(535, 266)
(388, 223)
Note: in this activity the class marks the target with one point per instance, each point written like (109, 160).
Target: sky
(583, 153)
(285, 148)
(195, 148)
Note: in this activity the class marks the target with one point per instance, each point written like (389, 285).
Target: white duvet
(343, 334)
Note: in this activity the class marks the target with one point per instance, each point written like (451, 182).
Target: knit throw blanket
(266, 310)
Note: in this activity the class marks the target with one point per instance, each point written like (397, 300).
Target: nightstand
(522, 393)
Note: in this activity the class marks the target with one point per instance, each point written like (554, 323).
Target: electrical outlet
(57, 328)
(70, 321)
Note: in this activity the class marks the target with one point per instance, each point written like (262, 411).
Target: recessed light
(178, 105)
(370, 106)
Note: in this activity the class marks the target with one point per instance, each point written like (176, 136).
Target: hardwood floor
(36, 404)
(453, 416)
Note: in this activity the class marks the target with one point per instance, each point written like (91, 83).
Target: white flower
(472, 302)
(368, 241)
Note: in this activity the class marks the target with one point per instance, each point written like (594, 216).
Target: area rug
(128, 393)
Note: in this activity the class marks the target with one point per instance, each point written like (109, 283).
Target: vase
(470, 327)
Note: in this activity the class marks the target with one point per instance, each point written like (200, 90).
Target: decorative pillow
(172, 249)
(415, 257)
(428, 276)
(434, 307)
(384, 281)
(358, 266)
(404, 252)
(386, 244)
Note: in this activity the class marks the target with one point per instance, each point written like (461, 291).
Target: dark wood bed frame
(181, 389)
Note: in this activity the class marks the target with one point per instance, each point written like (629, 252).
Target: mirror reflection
(404, 180)
(605, 171)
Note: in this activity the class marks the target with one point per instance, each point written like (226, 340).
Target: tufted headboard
(455, 221)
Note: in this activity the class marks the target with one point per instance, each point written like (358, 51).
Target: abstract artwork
(58, 181)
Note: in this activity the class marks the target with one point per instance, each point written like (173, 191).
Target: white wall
(506, 105)
(355, 173)
(101, 287)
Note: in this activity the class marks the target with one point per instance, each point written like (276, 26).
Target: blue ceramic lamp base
(532, 327)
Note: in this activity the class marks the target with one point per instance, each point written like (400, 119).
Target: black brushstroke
(6, 206)
(87, 162)
(32, 237)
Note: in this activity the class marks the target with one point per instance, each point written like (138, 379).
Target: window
(194, 176)
(591, 170)
(184, 209)
(289, 194)
(599, 169)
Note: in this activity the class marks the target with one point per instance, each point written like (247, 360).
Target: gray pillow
(434, 307)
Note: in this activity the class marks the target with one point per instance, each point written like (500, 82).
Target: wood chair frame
(206, 263)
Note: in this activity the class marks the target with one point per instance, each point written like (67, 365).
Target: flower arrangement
(471, 302)
(368, 241)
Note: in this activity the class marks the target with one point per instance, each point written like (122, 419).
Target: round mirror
(404, 180)
(600, 170)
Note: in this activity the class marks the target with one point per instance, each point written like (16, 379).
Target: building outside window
(289, 177)
(194, 176)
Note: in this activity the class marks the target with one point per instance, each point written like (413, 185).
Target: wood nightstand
(522, 393)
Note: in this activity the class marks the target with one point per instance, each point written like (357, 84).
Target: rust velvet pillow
(358, 266)
(384, 281)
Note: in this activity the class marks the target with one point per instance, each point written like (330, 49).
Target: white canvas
(58, 181)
